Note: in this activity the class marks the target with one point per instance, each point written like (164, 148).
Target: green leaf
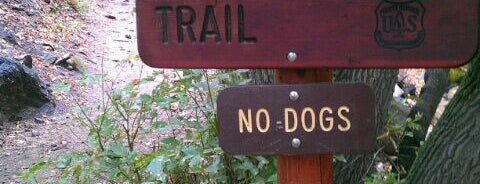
(132, 155)
(159, 125)
(144, 160)
(190, 151)
(414, 126)
(262, 161)
(77, 171)
(340, 157)
(92, 78)
(171, 142)
(64, 161)
(32, 171)
(273, 178)
(163, 103)
(79, 157)
(248, 165)
(113, 173)
(63, 180)
(259, 180)
(145, 98)
(62, 88)
(213, 168)
(119, 150)
(155, 168)
(195, 162)
(244, 82)
(107, 125)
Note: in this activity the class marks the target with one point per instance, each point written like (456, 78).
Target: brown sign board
(268, 120)
(326, 33)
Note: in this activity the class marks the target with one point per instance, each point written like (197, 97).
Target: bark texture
(382, 81)
(260, 76)
(436, 84)
(452, 153)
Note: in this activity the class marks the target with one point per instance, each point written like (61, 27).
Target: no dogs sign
(296, 119)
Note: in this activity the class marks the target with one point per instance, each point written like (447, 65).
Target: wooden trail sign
(296, 119)
(306, 34)
(321, 34)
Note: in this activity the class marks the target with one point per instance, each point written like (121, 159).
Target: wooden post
(299, 169)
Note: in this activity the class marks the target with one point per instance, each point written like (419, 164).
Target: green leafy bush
(390, 171)
(178, 117)
(384, 178)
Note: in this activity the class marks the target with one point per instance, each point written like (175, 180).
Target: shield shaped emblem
(400, 24)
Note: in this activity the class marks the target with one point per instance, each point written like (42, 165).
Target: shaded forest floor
(98, 36)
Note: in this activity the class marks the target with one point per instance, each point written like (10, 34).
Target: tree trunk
(260, 76)
(452, 153)
(382, 82)
(436, 84)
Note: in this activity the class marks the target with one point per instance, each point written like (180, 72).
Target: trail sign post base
(298, 169)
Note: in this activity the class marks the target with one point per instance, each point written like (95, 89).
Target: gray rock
(9, 37)
(20, 89)
(46, 56)
(27, 61)
(5, 52)
(39, 52)
(36, 133)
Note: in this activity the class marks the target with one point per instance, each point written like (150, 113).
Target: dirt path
(113, 28)
(110, 38)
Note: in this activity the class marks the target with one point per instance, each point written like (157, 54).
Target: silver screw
(294, 96)
(292, 56)
(296, 142)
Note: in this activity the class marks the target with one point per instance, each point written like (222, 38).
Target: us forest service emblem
(400, 24)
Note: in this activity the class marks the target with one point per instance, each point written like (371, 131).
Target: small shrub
(384, 178)
(178, 116)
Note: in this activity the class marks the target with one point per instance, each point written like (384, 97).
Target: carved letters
(187, 21)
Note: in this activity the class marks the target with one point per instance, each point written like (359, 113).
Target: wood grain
(299, 169)
(324, 34)
(275, 135)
